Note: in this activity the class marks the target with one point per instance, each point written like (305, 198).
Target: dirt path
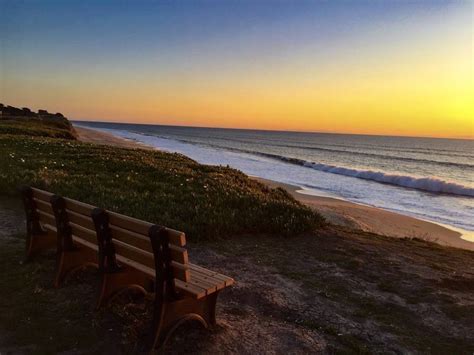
(249, 314)
(12, 219)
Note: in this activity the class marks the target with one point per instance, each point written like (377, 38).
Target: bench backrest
(78, 215)
(130, 237)
(42, 205)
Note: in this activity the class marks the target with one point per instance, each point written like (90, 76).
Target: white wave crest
(426, 184)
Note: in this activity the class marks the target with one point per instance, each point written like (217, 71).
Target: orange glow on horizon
(407, 80)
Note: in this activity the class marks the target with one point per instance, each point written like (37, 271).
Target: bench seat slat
(218, 283)
(212, 274)
(210, 285)
(190, 289)
(197, 288)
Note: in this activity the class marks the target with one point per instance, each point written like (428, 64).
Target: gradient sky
(375, 67)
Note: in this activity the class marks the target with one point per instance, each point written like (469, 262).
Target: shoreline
(89, 135)
(337, 211)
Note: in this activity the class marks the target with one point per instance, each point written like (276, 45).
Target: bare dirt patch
(334, 291)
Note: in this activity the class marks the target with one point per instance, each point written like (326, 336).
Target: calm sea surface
(427, 178)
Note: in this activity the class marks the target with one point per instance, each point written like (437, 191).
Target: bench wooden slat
(177, 238)
(190, 289)
(43, 206)
(134, 254)
(210, 285)
(181, 271)
(50, 228)
(228, 280)
(46, 218)
(141, 227)
(139, 241)
(41, 194)
(85, 243)
(79, 207)
(218, 283)
(84, 233)
(80, 220)
(178, 254)
(134, 239)
(129, 223)
(138, 266)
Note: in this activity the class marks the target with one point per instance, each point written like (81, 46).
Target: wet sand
(338, 212)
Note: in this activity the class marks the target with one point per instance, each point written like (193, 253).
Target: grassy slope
(163, 188)
(37, 128)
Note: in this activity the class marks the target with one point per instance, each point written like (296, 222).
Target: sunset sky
(375, 67)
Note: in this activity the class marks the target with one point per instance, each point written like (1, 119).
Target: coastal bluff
(41, 123)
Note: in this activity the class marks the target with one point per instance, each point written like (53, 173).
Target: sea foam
(430, 184)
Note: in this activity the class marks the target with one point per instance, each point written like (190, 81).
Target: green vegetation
(37, 128)
(163, 188)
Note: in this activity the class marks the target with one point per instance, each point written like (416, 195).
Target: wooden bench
(130, 254)
(40, 222)
(64, 224)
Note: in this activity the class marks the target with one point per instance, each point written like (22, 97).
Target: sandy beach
(92, 136)
(339, 212)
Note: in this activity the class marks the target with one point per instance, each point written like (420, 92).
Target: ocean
(428, 178)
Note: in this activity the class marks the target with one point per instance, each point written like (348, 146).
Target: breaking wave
(429, 184)
(426, 184)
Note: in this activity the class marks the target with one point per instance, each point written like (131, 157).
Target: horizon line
(276, 130)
